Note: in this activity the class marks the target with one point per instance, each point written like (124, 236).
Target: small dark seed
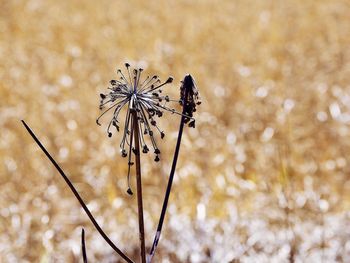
(145, 149)
(129, 191)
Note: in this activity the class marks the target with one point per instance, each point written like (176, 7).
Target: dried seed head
(143, 96)
(129, 191)
(189, 99)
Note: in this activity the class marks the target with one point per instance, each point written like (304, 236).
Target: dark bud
(151, 112)
(145, 149)
(124, 153)
(145, 132)
(130, 163)
(159, 113)
(127, 65)
(129, 191)
(109, 134)
(113, 82)
(156, 151)
(157, 159)
(167, 98)
(155, 94)
(189, 97)
(103, 96)
(160, 91)
(162, 134)
(192, 124)
(153, 122)
(150, 133)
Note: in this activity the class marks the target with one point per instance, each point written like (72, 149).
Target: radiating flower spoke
(130, 92)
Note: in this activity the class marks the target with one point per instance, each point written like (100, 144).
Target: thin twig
(83, 245)
(139, 186)
(170, 182)
(75, 192)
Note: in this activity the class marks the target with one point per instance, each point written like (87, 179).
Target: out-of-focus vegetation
(263, 178)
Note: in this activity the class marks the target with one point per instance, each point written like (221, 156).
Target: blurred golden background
(264, 177)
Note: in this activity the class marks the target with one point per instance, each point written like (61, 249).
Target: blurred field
(263, 178)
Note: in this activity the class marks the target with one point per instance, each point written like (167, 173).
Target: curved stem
(76, 194)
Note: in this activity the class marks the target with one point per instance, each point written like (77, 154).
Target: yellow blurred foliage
(264, 175)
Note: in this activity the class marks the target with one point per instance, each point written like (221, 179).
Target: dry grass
(264, 176)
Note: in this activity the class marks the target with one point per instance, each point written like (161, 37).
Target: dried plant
(189, 99)
(145, 99)
(76, 194)
(143, 102)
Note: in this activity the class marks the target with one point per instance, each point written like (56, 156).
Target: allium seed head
(144, 98)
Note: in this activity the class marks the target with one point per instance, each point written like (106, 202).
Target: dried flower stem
(170, 181)
(83, 245)
(139, 185)
(76, 194)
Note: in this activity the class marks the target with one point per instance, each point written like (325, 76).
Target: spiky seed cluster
(146, 98)
(190, 97)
